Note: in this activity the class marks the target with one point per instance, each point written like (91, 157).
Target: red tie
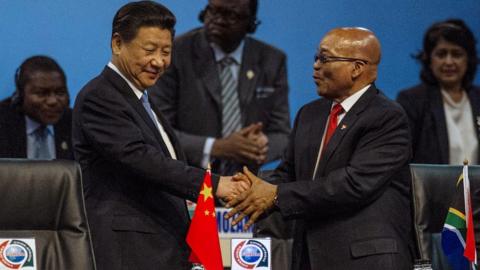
(332, 123)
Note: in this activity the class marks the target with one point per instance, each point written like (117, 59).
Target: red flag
(470, 251)
(202, 235)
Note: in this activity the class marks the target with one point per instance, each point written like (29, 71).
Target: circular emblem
(15, 254)
(250, 254)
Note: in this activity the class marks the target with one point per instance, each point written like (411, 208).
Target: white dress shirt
(462, 138)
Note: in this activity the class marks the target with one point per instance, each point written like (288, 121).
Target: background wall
(77, 34)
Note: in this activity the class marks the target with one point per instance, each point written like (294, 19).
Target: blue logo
(15, 254)
(251, 254)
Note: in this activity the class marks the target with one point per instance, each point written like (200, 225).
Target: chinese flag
(202, 235)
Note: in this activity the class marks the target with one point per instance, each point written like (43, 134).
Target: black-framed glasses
(325, 59)
(228, 15)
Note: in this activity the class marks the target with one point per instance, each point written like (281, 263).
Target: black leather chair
(433, 189)
(44, 200)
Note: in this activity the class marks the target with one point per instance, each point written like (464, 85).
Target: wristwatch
(275, 201)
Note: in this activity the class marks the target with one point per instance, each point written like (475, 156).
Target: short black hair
(456, 32)
(130, 17)
(23, 74)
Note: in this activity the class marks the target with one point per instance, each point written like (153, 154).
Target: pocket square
(264, 91)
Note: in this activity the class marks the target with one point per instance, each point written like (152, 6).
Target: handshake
(247, 194)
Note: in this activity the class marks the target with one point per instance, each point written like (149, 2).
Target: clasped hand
(248, 145)
(252, 202)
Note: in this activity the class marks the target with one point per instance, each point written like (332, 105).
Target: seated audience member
(444, 110)
(221, 84)
(35, 122)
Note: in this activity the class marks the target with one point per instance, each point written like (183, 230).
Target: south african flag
(458, 239)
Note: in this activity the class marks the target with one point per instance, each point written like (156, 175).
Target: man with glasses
(36, 121)
(345, 176)
(226, 93)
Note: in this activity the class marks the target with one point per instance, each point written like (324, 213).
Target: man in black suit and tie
(345, 176)
(226, 93)
(135, 177)
(36, 121)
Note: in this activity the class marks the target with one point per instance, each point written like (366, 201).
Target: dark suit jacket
(13, 136)
(424, 107)
(356, 213)
(134, 191)
(189, 94)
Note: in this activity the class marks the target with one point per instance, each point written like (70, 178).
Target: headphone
(17, 97)
(252, 23)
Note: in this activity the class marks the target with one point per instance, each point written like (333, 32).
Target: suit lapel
(249, 73)
(345, 125)
(62, 137)
(121, 85)
(19, 148)
(316, 131)
(473, 96)
(438, 112)
(207, 68)
(170, 133)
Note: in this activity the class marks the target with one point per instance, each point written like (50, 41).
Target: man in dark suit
(345, 176)
(36, 121)
(135, 177)
(251, 127)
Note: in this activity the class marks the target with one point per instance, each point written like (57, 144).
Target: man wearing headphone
(36, 121)
(226, 93)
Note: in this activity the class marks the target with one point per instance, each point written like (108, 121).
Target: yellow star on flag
(206, 192)
(207, 213)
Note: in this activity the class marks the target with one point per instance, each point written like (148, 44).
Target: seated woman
(444, 110)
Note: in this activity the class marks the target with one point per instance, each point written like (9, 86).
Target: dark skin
(226, 24)
(335, 80)
(45, 97)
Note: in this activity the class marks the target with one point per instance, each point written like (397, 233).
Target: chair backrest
(433, 189)
(44, 200)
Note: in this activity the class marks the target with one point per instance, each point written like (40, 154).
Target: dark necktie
(148, 108)
(332, 123)
(41, 143)
(231, 117)
(160, 129)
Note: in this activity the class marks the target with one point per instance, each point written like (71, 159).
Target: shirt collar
(348, 103)
(220, 54)
(137, 92)
(32, 125)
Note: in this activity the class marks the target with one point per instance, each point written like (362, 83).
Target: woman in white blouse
(444, 110)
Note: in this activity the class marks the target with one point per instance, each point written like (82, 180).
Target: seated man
(35, 122)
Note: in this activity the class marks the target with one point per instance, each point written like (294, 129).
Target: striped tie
(231, 117)
(41, 144)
